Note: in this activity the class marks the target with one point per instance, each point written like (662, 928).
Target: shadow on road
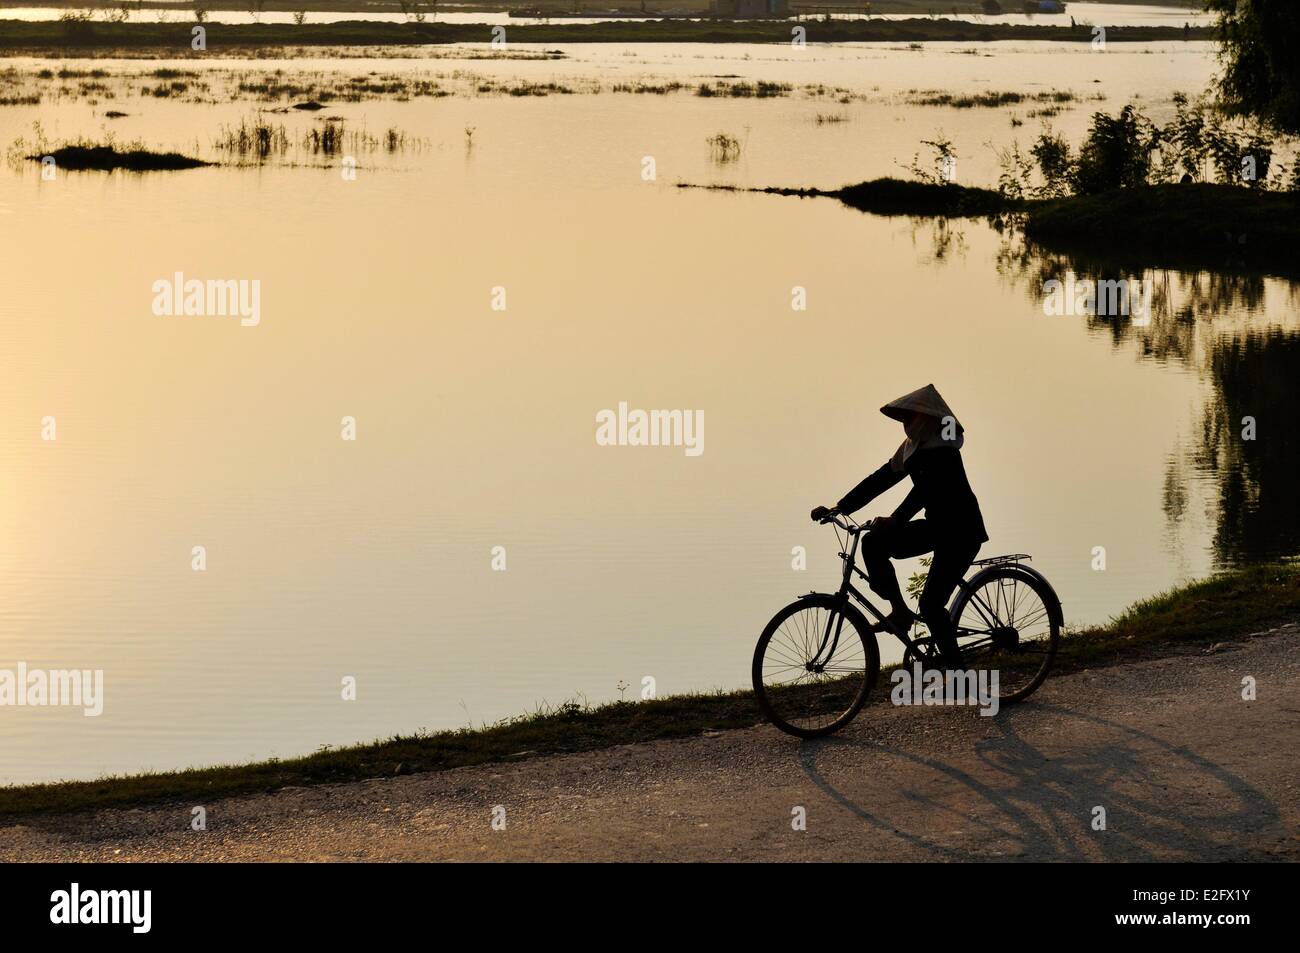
(1008, 798)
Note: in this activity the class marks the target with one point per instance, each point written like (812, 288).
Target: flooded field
(487, 252)
(1111, 14)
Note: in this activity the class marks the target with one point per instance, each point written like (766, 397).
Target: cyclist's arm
(870, 488)
(911, 505)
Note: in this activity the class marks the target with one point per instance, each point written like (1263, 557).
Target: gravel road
(1183, 767)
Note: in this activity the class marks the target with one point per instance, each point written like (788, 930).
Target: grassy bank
(108, 158)
(173, 39)
(895, 197)
(1193, 226)
(901, 197)
(1220, 609)
(1224, 227)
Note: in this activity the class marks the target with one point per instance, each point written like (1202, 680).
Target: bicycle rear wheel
(1008, 621)
(814, 666)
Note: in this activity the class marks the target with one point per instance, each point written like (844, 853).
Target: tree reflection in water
(1240, 334)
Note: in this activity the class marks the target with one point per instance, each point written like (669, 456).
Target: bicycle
(1007, 618)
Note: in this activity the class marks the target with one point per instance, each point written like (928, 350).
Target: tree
(1259, 41)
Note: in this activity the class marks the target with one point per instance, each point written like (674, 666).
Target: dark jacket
(939, 486)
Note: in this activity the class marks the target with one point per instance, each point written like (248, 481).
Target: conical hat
(925, 400)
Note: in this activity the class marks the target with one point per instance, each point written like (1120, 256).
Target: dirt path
(1184, 768)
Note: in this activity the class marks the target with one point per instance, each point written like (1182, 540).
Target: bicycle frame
(847, 590)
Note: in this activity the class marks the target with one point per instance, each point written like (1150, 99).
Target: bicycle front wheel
(814, 666)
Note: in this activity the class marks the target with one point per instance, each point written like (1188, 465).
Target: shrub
(1117, 152)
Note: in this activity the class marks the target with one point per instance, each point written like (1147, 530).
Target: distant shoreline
(173, 39)
(918, 8)
(1200, 225)
(1225, 608)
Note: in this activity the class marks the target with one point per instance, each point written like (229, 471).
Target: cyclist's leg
(900, 541)
(949, 564)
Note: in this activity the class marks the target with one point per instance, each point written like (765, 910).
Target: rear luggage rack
(995, 560)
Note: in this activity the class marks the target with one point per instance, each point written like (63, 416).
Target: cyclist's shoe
(896, 622)
(951, 661)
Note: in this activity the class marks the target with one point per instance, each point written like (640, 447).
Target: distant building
(750, 8)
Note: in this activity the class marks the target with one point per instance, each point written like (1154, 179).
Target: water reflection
(1242, 457)
(944, 238)
(1248, 447)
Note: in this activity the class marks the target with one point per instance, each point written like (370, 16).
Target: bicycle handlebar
(842, 521)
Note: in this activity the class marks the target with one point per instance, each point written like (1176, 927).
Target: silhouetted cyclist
(952, 529)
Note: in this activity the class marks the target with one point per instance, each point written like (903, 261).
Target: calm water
(475, 427)
(1108, 14)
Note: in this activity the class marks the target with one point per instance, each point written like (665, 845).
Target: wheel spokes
(809, 677)
(1006, 625)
